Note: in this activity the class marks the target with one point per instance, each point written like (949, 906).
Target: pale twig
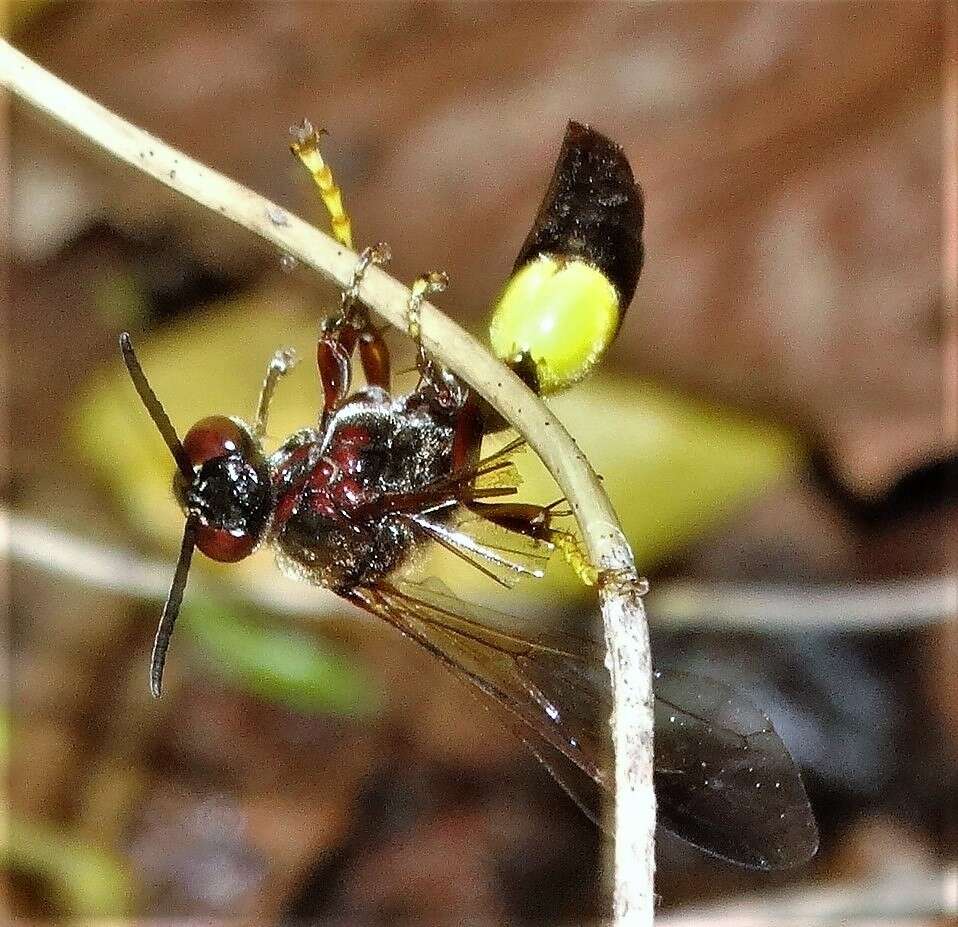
(916, 898)
(36, 544)
(884, 606)
(701, 606)
(622, 610)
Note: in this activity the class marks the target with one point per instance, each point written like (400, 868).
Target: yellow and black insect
(578, 268)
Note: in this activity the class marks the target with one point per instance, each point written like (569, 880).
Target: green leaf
(674, 467)
(278, 664)
(88, 881)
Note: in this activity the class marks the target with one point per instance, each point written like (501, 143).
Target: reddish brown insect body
(344, 503)
(345, 496)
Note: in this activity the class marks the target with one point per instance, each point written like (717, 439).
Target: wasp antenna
(172, 608)
(155, 407)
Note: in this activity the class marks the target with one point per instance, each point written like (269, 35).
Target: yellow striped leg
(305, 146)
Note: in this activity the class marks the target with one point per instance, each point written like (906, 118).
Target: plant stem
(915, 602)
(620, 590)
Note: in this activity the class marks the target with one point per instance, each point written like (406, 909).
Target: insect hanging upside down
(346, 502)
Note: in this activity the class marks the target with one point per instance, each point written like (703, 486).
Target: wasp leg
(436, 383)
(305, 145)
(522, 517)
(341, 333)
(422, 287)
(333, 352)
(535, 521)
(374, 354)
(379, 254)
(281, 363)
(574, 553)
(467, 434)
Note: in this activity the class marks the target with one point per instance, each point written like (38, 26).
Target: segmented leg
(422, 287)
(342, 337)
(374, 354)
(522, 517)
(467, 435)
(379, 254)
(341, 333)
(332, 359)
(436, 383)
(282, 362)
(305, 145)
(535, 521)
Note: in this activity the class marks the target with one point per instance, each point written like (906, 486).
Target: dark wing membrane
(724, 780)
(548, 685)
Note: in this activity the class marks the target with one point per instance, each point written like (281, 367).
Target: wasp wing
(546, 685)
(724, 780)
(504, 555)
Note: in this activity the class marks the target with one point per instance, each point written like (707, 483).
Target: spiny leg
(379, 254)
(282, 362)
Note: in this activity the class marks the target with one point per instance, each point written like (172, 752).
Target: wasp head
(222, 483)
(229, 494)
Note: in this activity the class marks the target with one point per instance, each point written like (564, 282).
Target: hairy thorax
(337, 521)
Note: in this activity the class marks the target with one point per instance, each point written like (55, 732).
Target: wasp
(346, 502)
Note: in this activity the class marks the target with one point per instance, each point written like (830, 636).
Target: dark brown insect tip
(593, 209)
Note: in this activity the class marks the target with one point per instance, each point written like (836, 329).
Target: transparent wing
(545, 684)
(723, 778)
(503, 555)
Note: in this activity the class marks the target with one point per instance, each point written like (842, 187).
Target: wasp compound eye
(578, 268)
(216, 436)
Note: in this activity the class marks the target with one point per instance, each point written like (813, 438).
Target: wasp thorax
(230, 496)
